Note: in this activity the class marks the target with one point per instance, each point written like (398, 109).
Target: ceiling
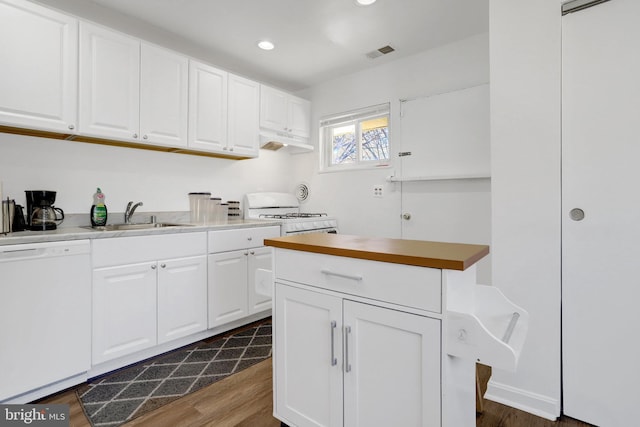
(316, 40)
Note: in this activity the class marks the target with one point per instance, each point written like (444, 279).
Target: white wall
(525, 138)
(349, 195)
(160, 180)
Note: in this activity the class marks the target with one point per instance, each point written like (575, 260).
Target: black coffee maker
(41, 214)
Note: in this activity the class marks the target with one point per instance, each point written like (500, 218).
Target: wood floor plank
(245, 399)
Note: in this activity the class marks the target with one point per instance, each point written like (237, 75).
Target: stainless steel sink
(122, 227)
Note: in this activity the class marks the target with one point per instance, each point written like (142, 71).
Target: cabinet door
(227, 287)
(258, 258)
(207, 108)
(182, 297)
(388, 351)
(39, 58)
(299, 117)
(307, 354)
(109, 83)
(124, 310)
(273, 109)
(244, 115)
(163, 96)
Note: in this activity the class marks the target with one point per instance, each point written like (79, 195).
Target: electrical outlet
(377, 191)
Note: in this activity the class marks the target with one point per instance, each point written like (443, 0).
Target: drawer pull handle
(347, 365)
(344, 276)
(334, 361)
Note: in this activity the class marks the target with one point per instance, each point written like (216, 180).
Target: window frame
(356, 117)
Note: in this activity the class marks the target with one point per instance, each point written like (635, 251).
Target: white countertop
(78, 233)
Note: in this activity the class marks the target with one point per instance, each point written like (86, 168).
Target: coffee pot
(42, 215)
(46, 218)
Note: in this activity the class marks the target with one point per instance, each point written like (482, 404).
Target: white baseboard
(536, 404)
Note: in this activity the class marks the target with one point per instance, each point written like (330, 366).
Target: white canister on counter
(212, 209)
(223, 213)
(198, 207)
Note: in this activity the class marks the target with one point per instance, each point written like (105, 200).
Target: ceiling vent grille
(379, 52)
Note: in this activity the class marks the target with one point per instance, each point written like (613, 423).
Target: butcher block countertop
(451, 256)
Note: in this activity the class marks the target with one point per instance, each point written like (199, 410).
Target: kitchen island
(379, 332)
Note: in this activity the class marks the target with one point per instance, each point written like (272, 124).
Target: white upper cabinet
(65, 75)
(163, 96)
(109, 83)
(299, 114)
(130, 90)
(282, 112)
(207, 108)
(244, 116)
(39, 58)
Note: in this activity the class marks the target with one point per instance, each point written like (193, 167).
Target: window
(356, 139)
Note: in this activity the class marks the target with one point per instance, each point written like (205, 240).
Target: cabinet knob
(249, 238)
(576, 214)
(224, 148)
(145, 137)
(246, 253)
(71, 127)
(153, 267)
(252, 252)
(135, 135)
(406, 216)
(231, 149)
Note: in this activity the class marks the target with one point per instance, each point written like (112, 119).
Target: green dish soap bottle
(98, 210)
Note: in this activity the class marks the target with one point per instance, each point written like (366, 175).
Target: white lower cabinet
(341, 362)
(124, 310)
(158, 296)
(234, 259)
(182, 297)
(227, 287)
(138, 306)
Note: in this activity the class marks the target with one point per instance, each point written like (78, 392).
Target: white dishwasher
(45, 318)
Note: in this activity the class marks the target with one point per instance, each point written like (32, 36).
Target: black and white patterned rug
(138, 389)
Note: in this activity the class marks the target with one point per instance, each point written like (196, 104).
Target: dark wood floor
(497, 415)
(245, 400)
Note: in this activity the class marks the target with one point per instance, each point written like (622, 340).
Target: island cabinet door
(308, 357)
(392, 367)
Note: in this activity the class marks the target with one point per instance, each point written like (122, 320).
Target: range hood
(270, 140)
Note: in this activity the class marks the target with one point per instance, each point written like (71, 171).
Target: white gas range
(286, 207)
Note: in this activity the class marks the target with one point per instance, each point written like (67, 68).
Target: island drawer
(406, 285)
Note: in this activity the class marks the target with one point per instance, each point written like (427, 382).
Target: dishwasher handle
(18, 254)
(43, 250)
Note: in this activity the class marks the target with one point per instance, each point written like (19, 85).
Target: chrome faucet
(128, 212)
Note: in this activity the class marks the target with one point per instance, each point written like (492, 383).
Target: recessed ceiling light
(365, 2)
(265, 45)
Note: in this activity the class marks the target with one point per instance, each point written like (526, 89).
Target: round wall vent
(302, 192)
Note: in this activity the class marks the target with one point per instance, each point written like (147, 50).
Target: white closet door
(600, 177)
